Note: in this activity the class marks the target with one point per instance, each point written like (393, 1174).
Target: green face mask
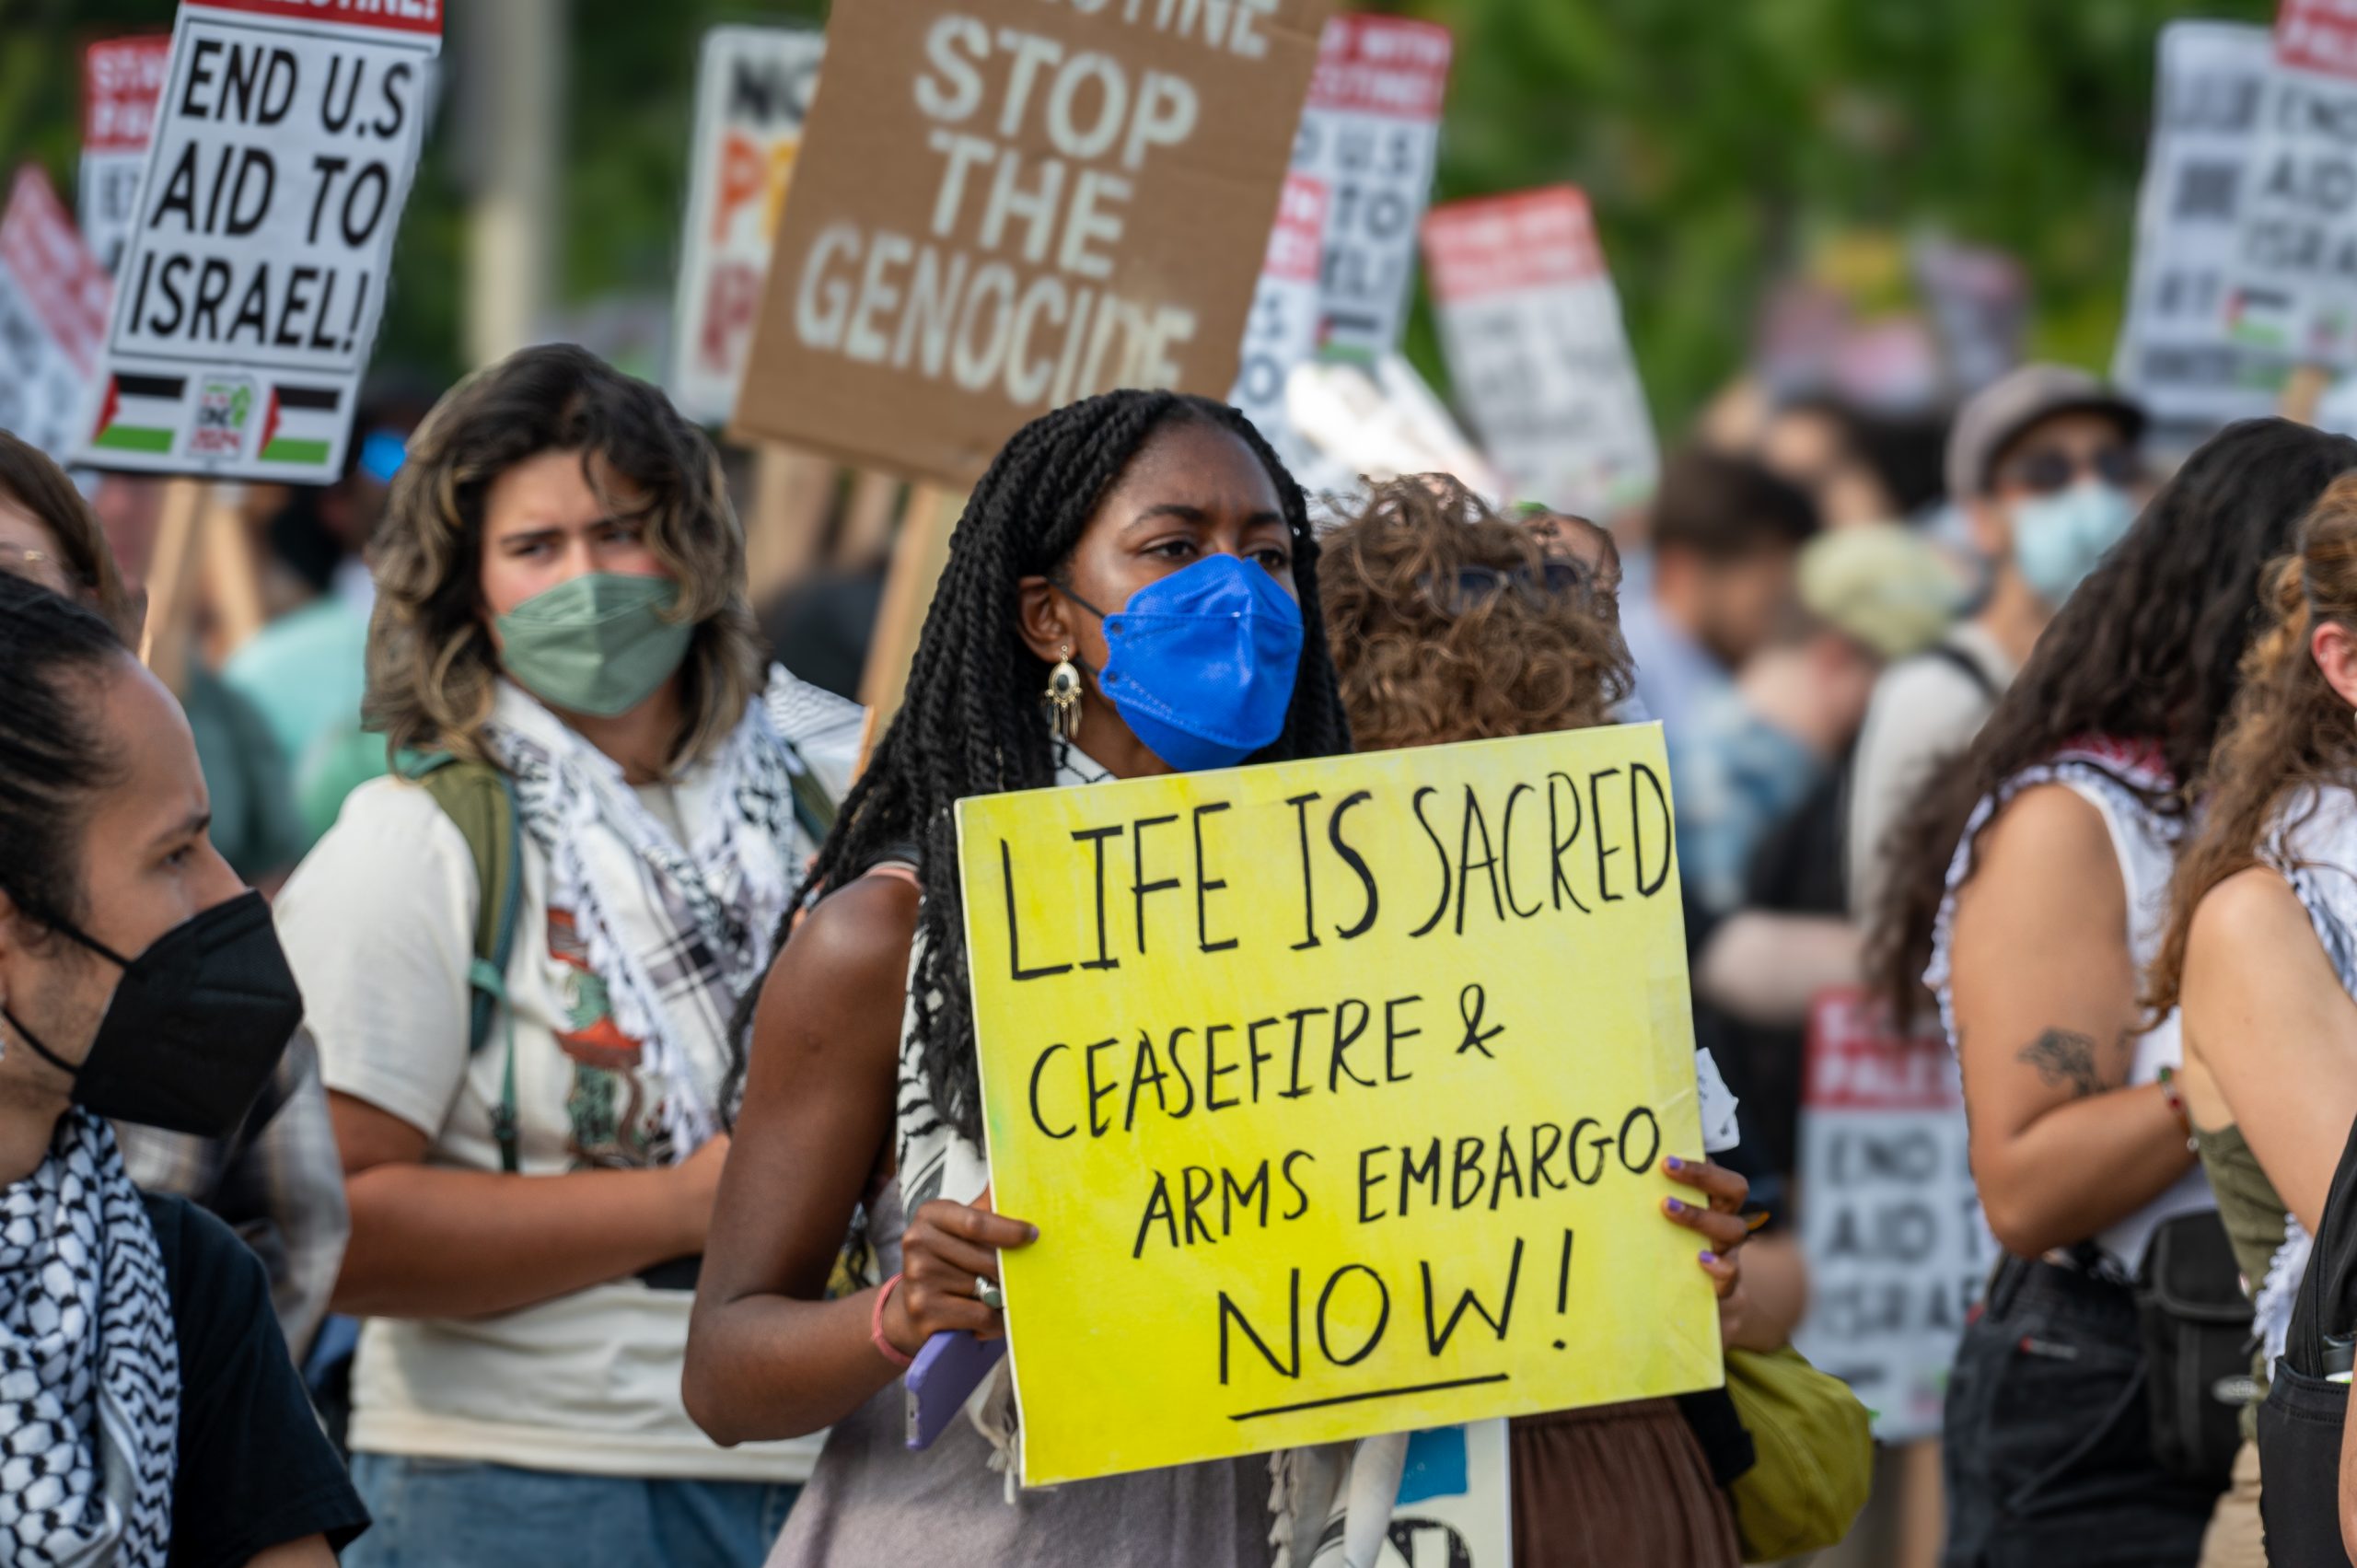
(599, 644)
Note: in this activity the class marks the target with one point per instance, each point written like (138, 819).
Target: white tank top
(2107, 775)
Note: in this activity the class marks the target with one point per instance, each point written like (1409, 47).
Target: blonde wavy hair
(432, 668)
(1446, 625)
(2289, 729)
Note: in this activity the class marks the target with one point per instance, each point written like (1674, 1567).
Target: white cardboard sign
(256, 273)
(753, 88)
(2295, 272)
(1897, 1247)
(53, 315)
(2177, 352)
(122, 79)
(1369, 135)
(1283, 329)
(1537, 350)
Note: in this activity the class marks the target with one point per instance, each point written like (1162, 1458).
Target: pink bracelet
(884, 1347)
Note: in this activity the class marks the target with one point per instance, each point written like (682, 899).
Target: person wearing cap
(2046, 467)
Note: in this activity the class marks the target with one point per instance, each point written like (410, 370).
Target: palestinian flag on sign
(140, 414)
(146, 415)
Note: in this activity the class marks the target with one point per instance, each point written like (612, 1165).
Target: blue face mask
(2058, 539)
(1202, 662)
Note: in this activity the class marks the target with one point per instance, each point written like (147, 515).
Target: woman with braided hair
(1130, 503)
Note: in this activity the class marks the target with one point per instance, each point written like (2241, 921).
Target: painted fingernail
(1673, 1206)
(1710, 1258)
(1032, 1232)
(1674, 1163)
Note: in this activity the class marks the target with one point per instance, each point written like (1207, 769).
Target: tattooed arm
(2046, 1011)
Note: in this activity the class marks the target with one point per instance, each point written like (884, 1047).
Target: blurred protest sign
(250, 293)
(2177, 355)
(1979, 300)
(1282, 329)
(1895, 1245)
(52, 317)
(122, 79)
(752, 90)
(1454, 1504)
(1355, 420)
(1536, 352)
(1369, 135)
(1002, 207)
(1339, 1103)
(2294, 274)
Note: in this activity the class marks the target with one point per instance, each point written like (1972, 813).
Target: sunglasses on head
(2046, 471)
(1474, 587)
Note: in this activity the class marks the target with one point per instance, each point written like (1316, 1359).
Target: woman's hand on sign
(1718, 1221)
(947, 1248)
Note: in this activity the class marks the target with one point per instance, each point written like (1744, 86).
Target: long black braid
(973, 722)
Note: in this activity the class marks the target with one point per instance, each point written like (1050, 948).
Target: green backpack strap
(481, 799)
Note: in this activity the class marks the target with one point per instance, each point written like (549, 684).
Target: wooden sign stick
(793, 493)
(163, 643)
(918, 561)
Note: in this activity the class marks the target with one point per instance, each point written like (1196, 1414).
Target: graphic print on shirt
(616, 1114)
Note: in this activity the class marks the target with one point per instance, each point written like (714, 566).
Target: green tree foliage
(1716, 136)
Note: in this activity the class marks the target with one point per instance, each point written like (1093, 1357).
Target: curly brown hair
(1424, 658)
(432, 668)
(2289, 731)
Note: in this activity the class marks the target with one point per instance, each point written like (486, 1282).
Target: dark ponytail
(51, 756)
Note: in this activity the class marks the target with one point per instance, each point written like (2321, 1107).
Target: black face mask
(197, 1023)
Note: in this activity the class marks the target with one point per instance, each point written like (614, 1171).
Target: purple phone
(943, 1377)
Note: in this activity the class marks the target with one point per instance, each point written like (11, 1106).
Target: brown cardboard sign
(1004, 205)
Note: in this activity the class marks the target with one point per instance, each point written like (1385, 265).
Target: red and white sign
(1369, 134)
(2317, 35)
(121, 80)
(1897, 1248)
(1283, 329)
(52, 317)
(752, 90)
(262, 237)
(1537, 350)
(420, 18)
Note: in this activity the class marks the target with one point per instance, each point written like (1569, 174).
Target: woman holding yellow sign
(1143, 564)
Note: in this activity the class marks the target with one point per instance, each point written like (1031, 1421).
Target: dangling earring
(1063, 696)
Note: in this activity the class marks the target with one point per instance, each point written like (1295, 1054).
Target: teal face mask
(599, 644)
(2058, 539)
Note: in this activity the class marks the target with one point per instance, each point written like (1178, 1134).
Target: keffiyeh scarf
(90, 1364)
(1330, 1506)
(679, 934)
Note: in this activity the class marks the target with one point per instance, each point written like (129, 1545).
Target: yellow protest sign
(1339, 1092)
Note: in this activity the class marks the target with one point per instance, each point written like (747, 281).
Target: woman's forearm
(2083, 1165)
(765, 1367)
(429, 1243)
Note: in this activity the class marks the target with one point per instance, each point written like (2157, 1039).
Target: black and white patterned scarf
(677, 932)
(89, 1366)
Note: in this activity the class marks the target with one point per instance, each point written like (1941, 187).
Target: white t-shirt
(379, 922)
(1925, 710)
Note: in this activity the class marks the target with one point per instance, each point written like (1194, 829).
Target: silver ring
(987, 1290)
